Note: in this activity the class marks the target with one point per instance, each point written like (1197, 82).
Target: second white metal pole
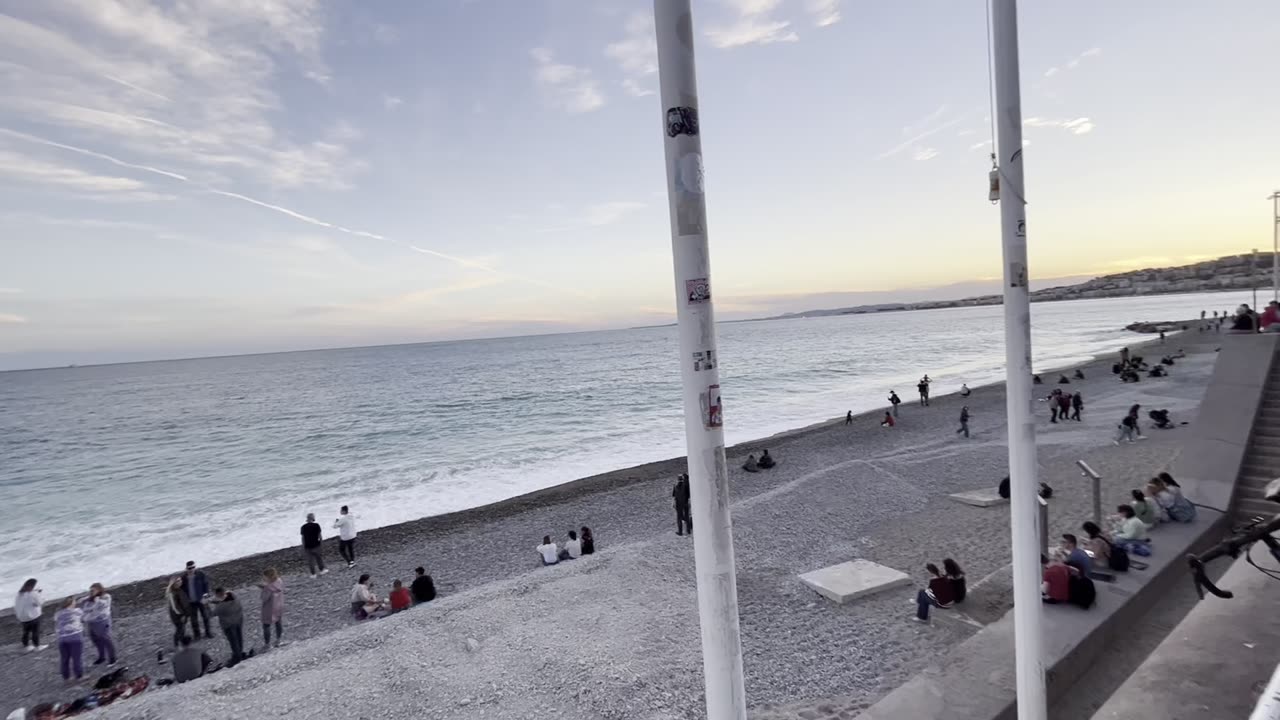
(1275, 246)
(699, 360)
(1024, 511)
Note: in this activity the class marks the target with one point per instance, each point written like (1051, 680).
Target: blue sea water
(121, 472)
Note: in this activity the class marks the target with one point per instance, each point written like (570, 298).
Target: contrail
(277, 208)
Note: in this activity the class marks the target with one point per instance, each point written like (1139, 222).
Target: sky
(193, 177)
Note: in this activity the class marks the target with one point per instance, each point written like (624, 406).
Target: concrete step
(1246, 509)
(1264, 452)
(1253, 492)
(1255, 467)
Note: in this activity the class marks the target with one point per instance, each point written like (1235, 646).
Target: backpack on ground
(1081, 592)
(1119, 560)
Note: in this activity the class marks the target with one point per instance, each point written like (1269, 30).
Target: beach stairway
(1262, 461)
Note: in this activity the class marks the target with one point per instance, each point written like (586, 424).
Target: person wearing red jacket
(400, 597)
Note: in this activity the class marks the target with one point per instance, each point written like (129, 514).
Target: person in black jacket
(681, 495)
(195, 588)
(311, 545)
(588, 540)
(423, 588)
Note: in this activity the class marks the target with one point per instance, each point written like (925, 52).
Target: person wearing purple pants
(97, 616)
(69, 622)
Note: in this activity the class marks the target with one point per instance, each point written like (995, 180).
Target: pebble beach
(615, 635)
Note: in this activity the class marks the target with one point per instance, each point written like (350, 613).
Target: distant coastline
(1235, 272)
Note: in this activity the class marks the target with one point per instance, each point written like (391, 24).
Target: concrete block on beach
(852, 580)
(985, 497)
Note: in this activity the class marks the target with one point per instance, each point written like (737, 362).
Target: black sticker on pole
(698, 291)
(682, 121)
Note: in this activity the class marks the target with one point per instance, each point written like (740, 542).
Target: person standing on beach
(964, 421)
(848, 418)
(894, 401)
(272, 606)
(97, 616)
(27, 610)
(195, 586)
(311, 545)
(175, 601)
(346, 524)
(1064, 405)
(681, 495)
(1053, 405)
(231, 619)
(1077, 404)
(923, 388)
(69, 624)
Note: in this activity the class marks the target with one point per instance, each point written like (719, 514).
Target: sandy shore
(616, 635)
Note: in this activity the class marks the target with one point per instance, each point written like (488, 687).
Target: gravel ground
(616, 635)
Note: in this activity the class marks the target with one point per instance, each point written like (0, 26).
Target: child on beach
(272, 606)
(97, 616)
(400, 597)
(548, 550)
(888, 420)
(69, 623)
(27, 610)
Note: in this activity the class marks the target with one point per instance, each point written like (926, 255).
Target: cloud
(753, 24)
(1078, 126)
(566, 87)
(980, 145)
(1051, 72)
(636, 54)
(33, 170)
(9, 319)
(927, 126)
(924, 153)
(824, 12)
(189, 84)
(10, 291)
(391, 102)
(1074, 62)
(610, 212)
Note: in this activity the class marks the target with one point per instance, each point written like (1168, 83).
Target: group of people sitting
(365, 604)
(572, 549)
(946, 588)
(764, 463)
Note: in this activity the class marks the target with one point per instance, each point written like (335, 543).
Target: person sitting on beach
(1003, 488)
(1168, 495)
(894, 401)
(888, 420)
(400, 597)
(1064, 380)
(964, 390)
(750, 465)
(1055, 582)
(588, 540)
(956, 576)
(548, 550)
(1269, 316)
(1245, 320)
(189, 662)
(1161, 419)
(1130, 376)
(848, 418)
(1097, 545)
(1079, 374)
(423, 588)
(1076, 556)
(1167, 360)
(1157, 371)
(572, 548)
(1145, 510)
(939, 594)
(364, 604)
(766, 461)
(1077, 404)
(1131, 534)
(1035, 380)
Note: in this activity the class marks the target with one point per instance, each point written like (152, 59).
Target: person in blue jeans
(939, 594)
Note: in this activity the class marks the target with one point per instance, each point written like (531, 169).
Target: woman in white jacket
(27, 609)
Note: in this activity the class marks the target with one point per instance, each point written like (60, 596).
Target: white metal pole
(699, 359)
(1275, 246)
(1024, 509)
(1253, 280)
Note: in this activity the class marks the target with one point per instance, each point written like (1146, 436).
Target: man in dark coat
(681, 496)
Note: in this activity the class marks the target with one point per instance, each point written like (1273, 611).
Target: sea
(115, 473)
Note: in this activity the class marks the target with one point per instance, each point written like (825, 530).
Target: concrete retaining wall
(976, 680)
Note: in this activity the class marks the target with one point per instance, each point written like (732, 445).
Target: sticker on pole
(691, 210)
(689, 174)
(1017, 275)
(712, 409)
(682, 121)
(1022, 228)
(698, 291)
(704, 360)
